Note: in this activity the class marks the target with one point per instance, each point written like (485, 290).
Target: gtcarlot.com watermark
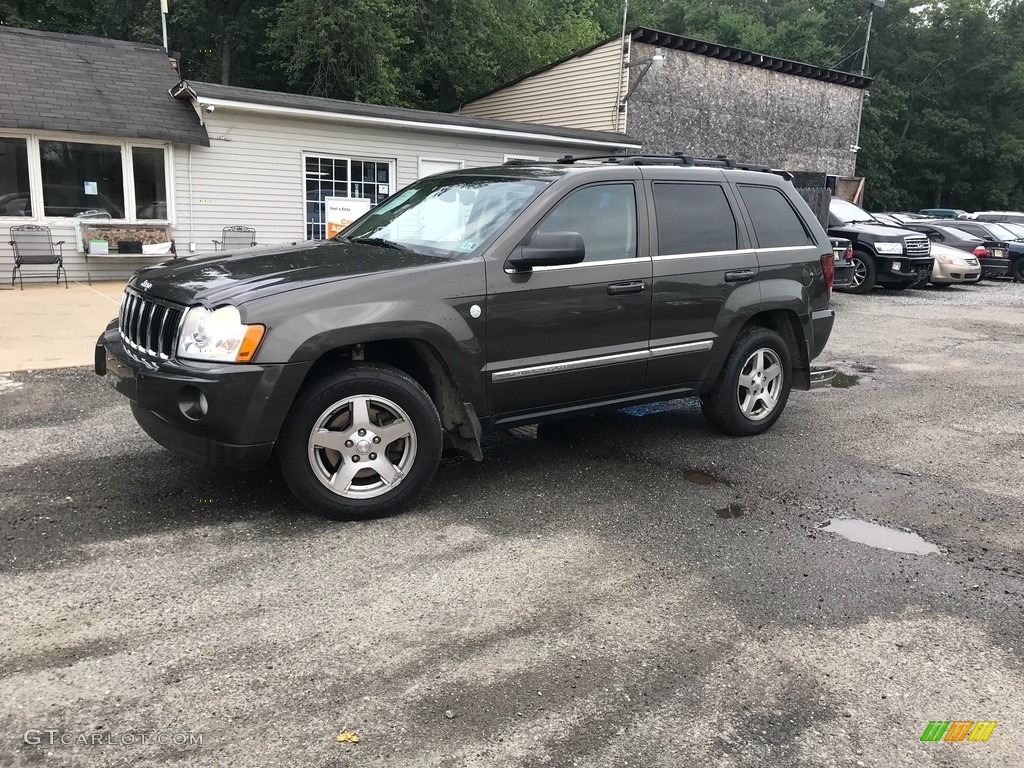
(54, 737)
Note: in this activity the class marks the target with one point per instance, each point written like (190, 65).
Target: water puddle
(697, 477)
(732, 511)
(844, 380)
(880, 537)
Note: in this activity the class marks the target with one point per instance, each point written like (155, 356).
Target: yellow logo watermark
(958, 730)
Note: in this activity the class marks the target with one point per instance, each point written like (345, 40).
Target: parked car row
(941, 246)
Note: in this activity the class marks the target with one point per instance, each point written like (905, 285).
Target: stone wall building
(678, 94)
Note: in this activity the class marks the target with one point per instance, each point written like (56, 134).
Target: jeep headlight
(218, 336)
(889, 247)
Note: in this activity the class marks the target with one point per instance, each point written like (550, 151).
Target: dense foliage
(944, 124)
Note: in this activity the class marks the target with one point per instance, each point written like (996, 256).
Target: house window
(341, 177)
(80, 178)
(121, 180)
(15, 199)
(150, 183)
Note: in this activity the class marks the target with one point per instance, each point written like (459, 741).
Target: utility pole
(872, 4)
(163, 23)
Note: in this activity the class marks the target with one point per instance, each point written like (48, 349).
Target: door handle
(619, 289)
(739, 276)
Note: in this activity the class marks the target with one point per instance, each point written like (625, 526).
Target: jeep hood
(261, 271)
(880, 231)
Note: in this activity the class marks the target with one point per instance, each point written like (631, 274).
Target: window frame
(35, 175)
(392, 164)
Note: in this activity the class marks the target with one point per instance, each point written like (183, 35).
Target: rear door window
(776, 223)
(693, 218)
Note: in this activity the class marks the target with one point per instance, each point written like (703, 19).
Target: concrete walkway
(46, 326)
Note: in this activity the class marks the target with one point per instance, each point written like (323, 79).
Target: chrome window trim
(666, 256)
(554, 268)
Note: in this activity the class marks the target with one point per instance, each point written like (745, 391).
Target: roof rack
(676, 158)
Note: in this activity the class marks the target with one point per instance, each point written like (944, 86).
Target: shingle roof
(58, 82)
(442, 120)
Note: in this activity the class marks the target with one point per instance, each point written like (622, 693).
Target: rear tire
(361, 443)
(1017, 269)
(753, 386)
(864, 273)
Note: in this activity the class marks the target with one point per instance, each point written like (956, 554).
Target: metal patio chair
(34, 245)
(235, 237)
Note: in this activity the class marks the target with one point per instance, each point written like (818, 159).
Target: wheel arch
(786, 323)
(425, 365)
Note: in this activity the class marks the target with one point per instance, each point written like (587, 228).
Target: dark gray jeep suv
(473, 301)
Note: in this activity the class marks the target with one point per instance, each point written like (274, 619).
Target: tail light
(828, 270)
(849, 254)
(981, 252)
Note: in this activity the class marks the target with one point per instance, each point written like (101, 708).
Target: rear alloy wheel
(753, 387)
(863, 274)
(361, 443)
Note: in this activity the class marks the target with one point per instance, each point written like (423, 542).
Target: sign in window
(341, 177)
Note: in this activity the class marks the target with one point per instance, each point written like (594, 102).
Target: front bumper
(904, 269)
(213, 414)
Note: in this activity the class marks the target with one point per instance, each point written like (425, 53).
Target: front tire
(864, 273)
(753, 386)
(361, 443)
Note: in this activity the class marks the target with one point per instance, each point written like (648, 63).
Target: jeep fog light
(218, 336)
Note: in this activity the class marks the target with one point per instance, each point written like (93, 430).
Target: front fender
(449, 328)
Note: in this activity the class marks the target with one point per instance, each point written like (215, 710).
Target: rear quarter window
(776, 222)
(693, 218)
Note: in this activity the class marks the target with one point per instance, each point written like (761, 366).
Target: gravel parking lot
(630, 589)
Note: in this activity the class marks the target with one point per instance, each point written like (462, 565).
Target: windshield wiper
(379, 241)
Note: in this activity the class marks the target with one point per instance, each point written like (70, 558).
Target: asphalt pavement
(629, 589)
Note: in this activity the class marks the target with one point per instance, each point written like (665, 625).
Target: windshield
(445, 215)
(999, 231)
(1016, 229)
(847, 212)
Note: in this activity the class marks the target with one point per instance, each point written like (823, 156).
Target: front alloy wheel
(864, 274)
(362, 447)
(361, 442)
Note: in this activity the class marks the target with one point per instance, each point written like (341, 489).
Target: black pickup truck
(479, 300)
(882, 254)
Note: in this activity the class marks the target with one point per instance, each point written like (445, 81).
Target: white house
(91, 127)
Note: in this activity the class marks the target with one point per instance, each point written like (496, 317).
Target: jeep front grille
(917, 245)
(149, 326)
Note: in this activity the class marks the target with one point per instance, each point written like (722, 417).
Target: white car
(953, 266)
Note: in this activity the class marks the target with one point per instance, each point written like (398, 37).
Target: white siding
(577, 93)
(252, 174)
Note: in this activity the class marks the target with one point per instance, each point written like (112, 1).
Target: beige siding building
(677, 94)
(578, 92)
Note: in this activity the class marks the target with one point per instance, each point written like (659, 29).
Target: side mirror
(549, 249)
